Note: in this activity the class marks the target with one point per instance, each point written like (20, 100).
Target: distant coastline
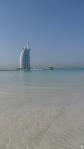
(43, 68)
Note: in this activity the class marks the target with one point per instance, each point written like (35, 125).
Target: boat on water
(51, 68)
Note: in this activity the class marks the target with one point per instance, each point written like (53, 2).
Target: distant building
(25, 58)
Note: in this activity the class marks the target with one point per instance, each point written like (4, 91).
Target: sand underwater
(42, 109)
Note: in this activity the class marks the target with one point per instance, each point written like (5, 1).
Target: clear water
(42, 79)
(42, 109)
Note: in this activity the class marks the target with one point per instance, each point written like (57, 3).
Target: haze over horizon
(54, 28)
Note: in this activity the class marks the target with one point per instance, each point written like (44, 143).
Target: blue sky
(55, 29)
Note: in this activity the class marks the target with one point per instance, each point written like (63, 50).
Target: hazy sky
(55, 29)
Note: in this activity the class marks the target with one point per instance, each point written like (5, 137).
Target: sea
(42, 109)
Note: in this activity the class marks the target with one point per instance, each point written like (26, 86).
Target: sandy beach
(56, 121)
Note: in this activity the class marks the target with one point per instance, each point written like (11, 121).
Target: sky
(54, 28)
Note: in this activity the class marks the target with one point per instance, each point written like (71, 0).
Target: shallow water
(42, 109)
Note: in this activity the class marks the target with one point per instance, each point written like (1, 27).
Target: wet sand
(42, 119)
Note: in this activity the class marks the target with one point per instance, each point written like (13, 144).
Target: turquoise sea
(42, 109)
(49, 79)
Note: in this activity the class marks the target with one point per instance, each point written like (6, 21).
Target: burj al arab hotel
(25, 58)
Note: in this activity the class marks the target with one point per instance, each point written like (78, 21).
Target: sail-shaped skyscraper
(25, 58)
